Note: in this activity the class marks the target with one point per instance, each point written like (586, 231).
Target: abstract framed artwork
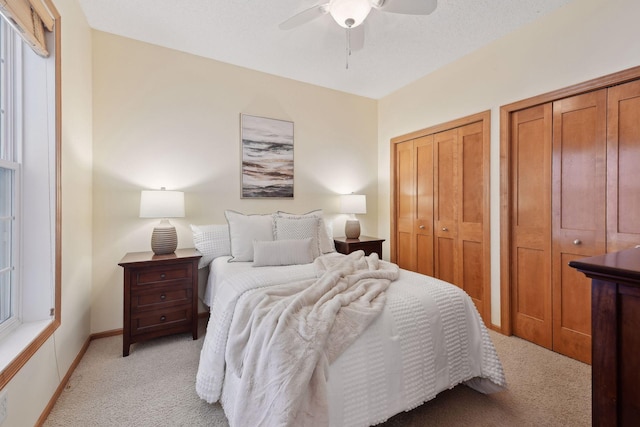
(267, 157)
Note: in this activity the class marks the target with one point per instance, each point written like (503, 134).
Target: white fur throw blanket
(282, 339)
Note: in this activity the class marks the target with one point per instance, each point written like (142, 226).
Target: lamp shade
(161, 204)
(353, 204)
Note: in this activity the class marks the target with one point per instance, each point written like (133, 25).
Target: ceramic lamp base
(164, 239)
(352, 229)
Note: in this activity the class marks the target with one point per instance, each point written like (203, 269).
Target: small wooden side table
(365, 243)
(160, 295)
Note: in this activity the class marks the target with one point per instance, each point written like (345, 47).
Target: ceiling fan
(350, 14)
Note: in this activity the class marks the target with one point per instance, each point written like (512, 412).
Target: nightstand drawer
(158, 320)
(163, 274)
(159, 297)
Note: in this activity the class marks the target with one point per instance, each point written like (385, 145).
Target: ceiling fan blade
(356, 36)
(305, 16)
(406, 7)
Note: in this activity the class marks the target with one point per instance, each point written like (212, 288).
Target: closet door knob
(445, 229)
(421, 227)
(577, 242)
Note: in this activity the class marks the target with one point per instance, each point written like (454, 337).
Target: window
(9, 190)
(29, 167)
(7, 258)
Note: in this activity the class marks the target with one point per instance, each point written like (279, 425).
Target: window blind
(29, 18)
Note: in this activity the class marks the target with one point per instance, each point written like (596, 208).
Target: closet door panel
(423, 223)
(470, 212)
(472, 174)
(405, 196)
(623, 164)
(575, 293)
(576, 168)
(444, 259)
(473, 272)
(446, 206)
(424, 260)
(578, 214)
(528, 301)
(531, 136)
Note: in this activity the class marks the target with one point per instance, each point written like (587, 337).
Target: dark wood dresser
(615, 321)
(160, 295)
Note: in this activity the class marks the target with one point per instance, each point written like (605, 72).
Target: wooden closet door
(405, 205)
(623, 166)
(423, 222)
(445, 206)
(578, 215)
(472, 161)
(440, 205)
(414, 206)
(531, 135)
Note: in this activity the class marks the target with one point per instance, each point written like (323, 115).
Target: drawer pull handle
(162, 276)
(577, 242)
(163, 318)
(421, 227)
(445, 229)
(163, 297)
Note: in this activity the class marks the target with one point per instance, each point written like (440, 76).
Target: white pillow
(282, 252)
(325, 230)
(244, 229)
(298, 229)
(211, 241)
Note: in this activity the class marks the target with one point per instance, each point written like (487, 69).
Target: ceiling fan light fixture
(349, 13)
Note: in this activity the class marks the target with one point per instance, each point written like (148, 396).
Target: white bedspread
(282, 339)
(428, 338)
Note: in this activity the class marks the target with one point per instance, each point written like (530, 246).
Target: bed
(420, 336)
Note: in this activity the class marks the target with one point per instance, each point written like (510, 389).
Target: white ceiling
(398, 49)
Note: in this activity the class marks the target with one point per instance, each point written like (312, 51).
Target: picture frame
(267, 157)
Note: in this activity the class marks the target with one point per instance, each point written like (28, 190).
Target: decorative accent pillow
(244, 229)
(298, 229)
(211, 241)
(283, 252)
(325, 230)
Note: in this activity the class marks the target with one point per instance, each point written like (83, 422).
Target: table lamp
(162, 204)
(353, 204)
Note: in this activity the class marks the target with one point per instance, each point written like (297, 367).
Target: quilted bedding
(428, 338)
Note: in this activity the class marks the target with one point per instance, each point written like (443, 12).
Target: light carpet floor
(155, 386)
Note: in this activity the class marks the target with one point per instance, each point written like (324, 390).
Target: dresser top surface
(624, 264)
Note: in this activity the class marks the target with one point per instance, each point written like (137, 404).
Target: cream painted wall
(165, 118)
(31, 389)
(581, 41)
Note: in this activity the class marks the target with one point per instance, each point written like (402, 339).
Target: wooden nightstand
(365, 243)
(160, 295)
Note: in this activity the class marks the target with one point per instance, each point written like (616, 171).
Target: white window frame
(11, 118)
(36, 133)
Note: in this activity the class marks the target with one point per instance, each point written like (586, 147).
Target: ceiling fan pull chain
(348, 51)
